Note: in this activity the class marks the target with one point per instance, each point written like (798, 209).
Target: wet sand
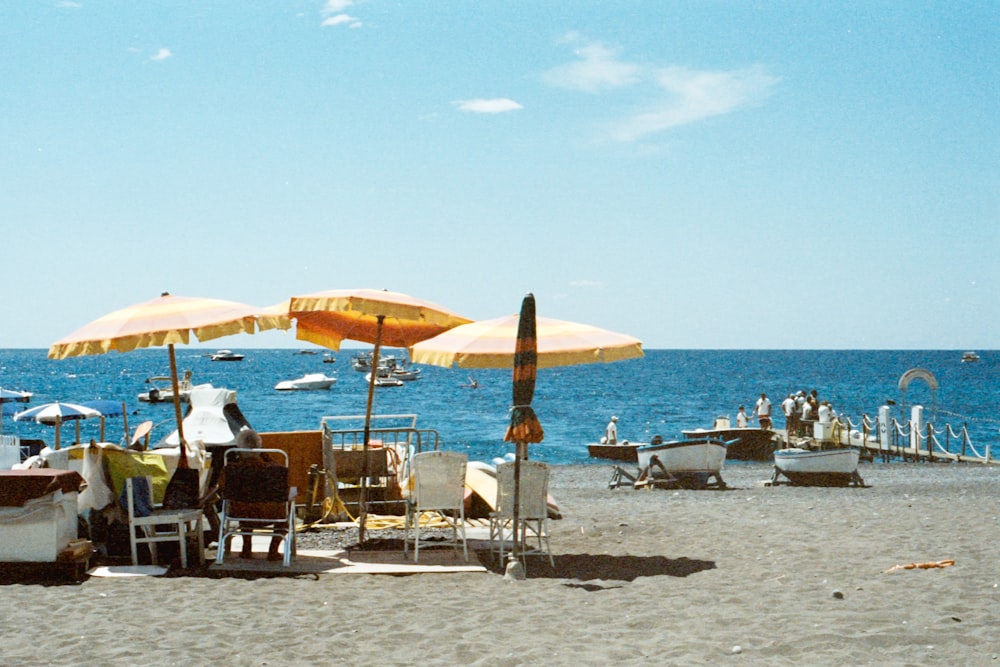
(747, 576)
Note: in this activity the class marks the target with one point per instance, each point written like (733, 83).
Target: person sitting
(250, 439)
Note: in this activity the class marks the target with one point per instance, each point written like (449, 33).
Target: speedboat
(969, 357)
(162, 390)
(384, 380)
(227, 355)
(823, 467)
(689, 462)
(745, 444)
(310, 381)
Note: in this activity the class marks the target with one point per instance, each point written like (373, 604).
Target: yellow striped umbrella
(490, 344)
(165, 320)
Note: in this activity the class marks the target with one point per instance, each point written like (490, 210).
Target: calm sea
(662, 393)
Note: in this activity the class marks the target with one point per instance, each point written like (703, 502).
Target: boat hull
(745, 444)
(830, 467)
(312, 382)
(622, 452)
(698, 459)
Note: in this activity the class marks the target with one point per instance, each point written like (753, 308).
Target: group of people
(800, 409)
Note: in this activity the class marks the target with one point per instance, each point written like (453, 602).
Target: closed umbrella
(524, 342)
(379, 317)
(55, 414)
(165, 320)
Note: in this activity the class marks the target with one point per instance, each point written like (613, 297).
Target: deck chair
(256, 499)
(148, 525)
(534, 511)
(437, 484)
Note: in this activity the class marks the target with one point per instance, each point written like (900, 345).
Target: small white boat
(384, 380)
(162, 390)
(227, 355)
(690, 462)
(824, 467)
(310, 381)
(969, 356)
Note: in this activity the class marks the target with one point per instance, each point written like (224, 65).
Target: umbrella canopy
(165, 320)
(12, 396)
(524, 342)
(55, 414)
(372, 316)
(108, 408)
(491, 343)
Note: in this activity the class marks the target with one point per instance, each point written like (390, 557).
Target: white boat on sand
(689, 463)
(824, 467)
(310, 381)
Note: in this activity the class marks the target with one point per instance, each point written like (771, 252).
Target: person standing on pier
(791, 417)
(611, 432)
(763, 411)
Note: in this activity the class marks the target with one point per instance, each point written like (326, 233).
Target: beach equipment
(379, 317)
(165, 320)
(109, 408)
(11, 396)
(524, 342)
(54, 414)
(159, 525)
(533, 507)
(438, 485)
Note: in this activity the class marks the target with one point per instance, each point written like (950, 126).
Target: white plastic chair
(437, 484)
(249, 492)
(534, 511)
(159, 525)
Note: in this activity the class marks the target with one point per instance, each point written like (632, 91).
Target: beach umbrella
(379, 317)
(11, 396)
(108, 408)
(54, 414)
(524, 342)
(165, 320)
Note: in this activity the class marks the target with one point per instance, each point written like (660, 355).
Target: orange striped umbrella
(372, 316)
(165, 320)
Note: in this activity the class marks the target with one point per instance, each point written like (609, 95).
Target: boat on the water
(623, 451)
(744, 444)
(969, 356)
(384, 379)
(309, 381)
(226, 355)
(162, 391)
(822, 467)
(690, 462)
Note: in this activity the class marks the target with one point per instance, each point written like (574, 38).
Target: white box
(823, 431)
(38, 531)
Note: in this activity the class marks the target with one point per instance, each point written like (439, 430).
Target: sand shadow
(605, 567)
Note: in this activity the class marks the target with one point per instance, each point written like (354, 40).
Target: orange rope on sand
(921, 566)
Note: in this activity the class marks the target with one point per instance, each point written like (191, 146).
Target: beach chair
(437, 484)
(256, 499)
(533, 514)
(149, 525)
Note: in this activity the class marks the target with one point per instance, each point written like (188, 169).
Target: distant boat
(310, 381)
(227, 355)
(162, 390)
(623, 451)
(751, 444)
(969, 357)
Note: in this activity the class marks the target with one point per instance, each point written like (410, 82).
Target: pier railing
(889, 438)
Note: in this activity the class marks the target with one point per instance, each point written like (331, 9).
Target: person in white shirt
(763, 411)
(788, 407)
(741, 418)
(611, 432)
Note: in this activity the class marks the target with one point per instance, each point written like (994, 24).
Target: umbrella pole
(58, 431)
(102, 429)
(125, 422)
(363, 501)
(182, 461)
(77, 431)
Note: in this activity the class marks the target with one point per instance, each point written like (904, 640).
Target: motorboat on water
(226, 355)
(690, 463)
(309, 381)
(745, 444)
(384, 379)
(162, 391)
(970, 356)
(817, 467)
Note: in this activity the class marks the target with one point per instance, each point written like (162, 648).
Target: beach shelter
(379, 317)
(524, 343)
(165, 320)
(11, 396)
(55, 414)
(109, 408)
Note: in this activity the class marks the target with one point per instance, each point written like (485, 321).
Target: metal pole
(363, 499)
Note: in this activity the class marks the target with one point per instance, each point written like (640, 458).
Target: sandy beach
(747, 576)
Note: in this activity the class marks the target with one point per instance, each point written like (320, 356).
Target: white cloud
(598, 68)
(341, 19)
(334, 14)
(495, 105)
(584, 284)
(162, 54)
(695, 95)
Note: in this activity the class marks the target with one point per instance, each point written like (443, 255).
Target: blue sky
(697, 174)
